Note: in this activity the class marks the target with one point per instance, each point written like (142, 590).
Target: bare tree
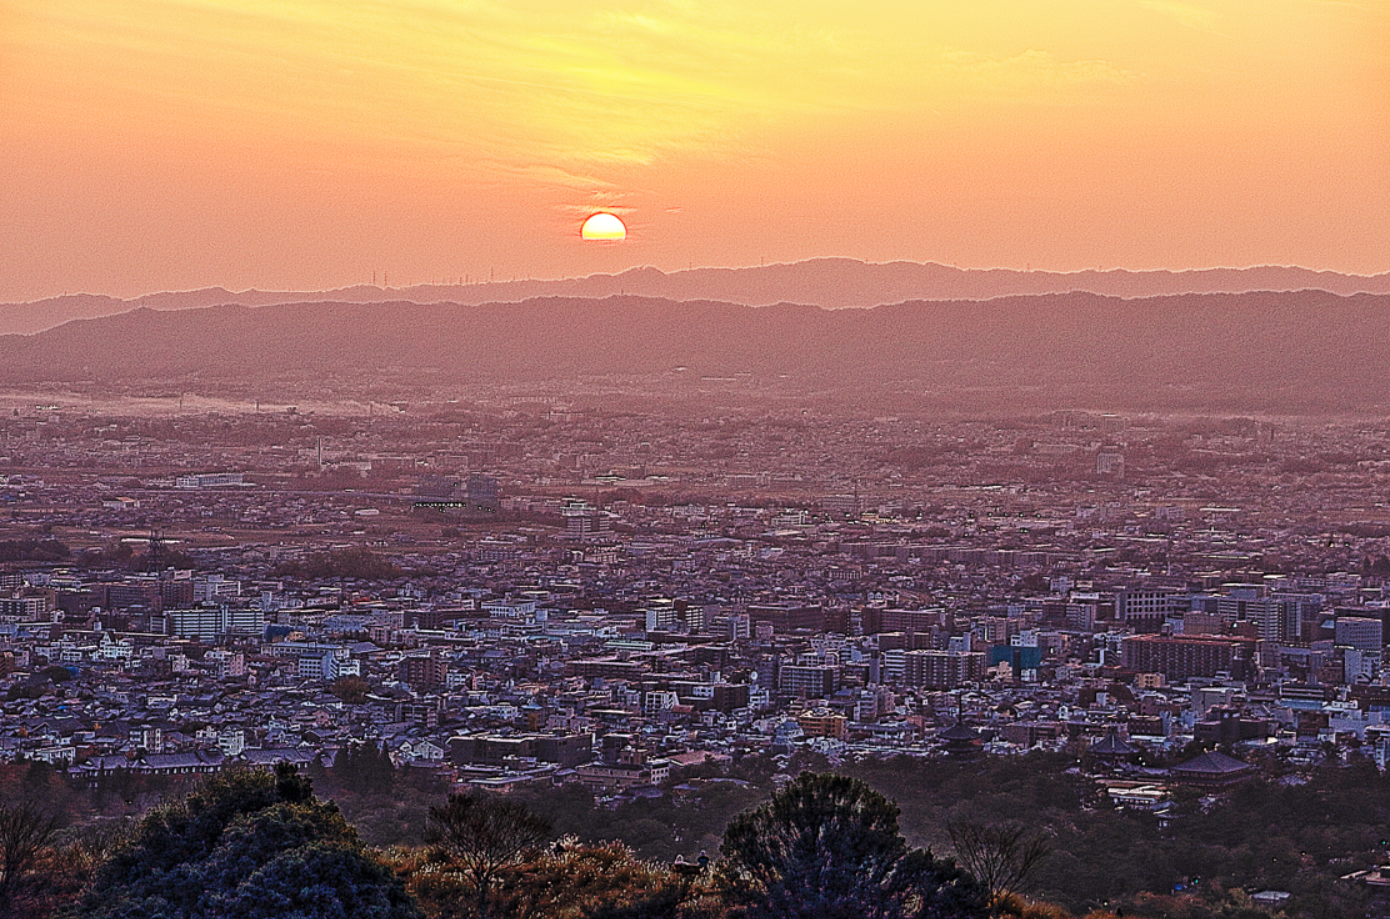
(25, 830)
(485, 834)
(1002, 857)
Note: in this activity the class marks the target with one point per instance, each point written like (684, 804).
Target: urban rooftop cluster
(518, 591)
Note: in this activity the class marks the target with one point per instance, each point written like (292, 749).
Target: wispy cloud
(1199, 16)
(553, 93)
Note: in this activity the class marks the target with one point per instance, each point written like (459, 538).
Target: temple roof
(958, 732)
(1112, 745)
(1213, 763)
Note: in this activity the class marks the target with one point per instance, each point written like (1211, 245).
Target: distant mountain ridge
(827, 282)
(1302, 351)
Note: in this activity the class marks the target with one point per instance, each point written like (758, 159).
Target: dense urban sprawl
(518, 589)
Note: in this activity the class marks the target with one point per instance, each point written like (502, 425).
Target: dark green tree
(56, 673)
(246, 845)
(828, 846)
(350, 689)
(364, 768)
(357, 563)
(47, 550)
(485, 835)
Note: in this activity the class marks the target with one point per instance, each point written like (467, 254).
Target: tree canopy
(246, 845)
(1300, 833)
(361, 564)
(829, 846)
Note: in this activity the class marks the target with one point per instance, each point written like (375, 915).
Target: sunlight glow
(603, 226)
(175, 144)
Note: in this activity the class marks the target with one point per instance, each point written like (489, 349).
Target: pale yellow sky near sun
(154, 144)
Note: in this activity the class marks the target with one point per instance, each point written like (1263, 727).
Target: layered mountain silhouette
(1301, 351)
(831, 282)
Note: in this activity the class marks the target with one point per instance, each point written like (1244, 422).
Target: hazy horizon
(406, 285)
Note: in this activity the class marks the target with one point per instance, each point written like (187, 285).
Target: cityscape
(524, 590)
(653, 459)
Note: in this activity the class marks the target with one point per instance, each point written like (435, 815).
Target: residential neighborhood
(525, 592)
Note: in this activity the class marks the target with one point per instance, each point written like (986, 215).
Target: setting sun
(603, 225)
(177, 144)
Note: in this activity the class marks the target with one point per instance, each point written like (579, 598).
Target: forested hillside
(1301, 351)
(395, 841)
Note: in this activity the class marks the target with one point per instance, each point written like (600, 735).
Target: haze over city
(464, 459)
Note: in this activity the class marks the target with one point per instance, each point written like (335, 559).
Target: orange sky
(170, 144)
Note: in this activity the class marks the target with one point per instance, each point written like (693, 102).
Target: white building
(210, 480)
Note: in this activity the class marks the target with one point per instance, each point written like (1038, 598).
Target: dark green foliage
(828, 846)
(33, 550)
(246, 845)
(660, 828)
(293, 860)
(364, 768)
(360, 564)
(388, 806)
(1263, 834)
(927, 887)
(350, 689)
(121, 554)
(164, 558)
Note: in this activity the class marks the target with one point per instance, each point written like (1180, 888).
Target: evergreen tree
(364, 768)
(246, 845)
(828, 847)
